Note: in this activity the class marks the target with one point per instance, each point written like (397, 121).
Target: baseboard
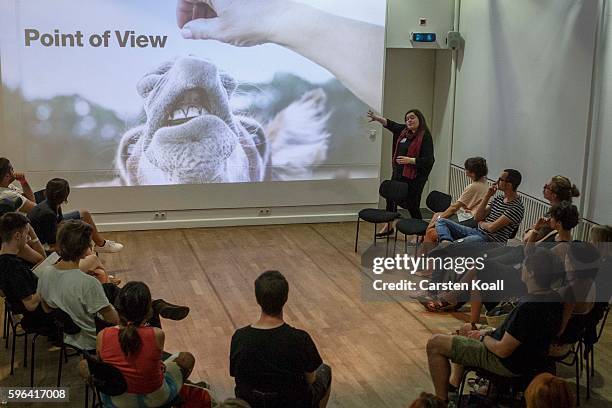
(227, 217)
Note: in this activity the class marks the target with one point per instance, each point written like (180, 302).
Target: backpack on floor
(195, 396)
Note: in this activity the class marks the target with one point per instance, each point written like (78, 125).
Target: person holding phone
(413, 159)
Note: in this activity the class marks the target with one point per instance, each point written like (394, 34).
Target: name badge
(403, 140)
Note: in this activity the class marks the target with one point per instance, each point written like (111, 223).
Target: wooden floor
(376, 349)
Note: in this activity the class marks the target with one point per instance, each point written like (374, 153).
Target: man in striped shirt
(497, 221)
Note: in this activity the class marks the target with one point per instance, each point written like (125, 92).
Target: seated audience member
(136, 349)
(601, 237)
(427, 400)
(66, 287)
(548, 391)
(23, 196)
(557, 190)
(578, 294)
(271, 360)
(17, 281)
(476, 170)
(519, 346)
(82, 296)
(496, 221)
(46, 216)
(563, 217)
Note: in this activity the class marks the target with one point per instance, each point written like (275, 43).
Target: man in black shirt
(519, 346)
(273, 362)
(17, 281)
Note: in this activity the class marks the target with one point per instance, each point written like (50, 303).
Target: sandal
(440, 305)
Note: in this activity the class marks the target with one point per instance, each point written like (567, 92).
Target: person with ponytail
(136, 349)
(412, 161)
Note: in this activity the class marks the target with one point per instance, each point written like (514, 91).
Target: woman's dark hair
(514, 178)
(11, 223)
(133, 305)
(585, 260)
(427, 400)
(478, 166)
(422, 121)
(566, 213)
(563, 188)
(5, 167)
(57, 191)
(271, 292)
(73, 239)
(545, 266)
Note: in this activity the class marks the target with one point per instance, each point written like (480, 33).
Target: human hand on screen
(351, 50)
(241, 23)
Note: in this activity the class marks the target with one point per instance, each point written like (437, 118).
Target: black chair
(65, 325)
(436, 202)
(573, 358)
(104, 378)
(592, 333)
(375, 216)
(14, 324)
(40, 196)
(108, 380)
(510, 386)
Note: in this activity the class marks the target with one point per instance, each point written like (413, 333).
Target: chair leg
(59, 367)
(395, 242)
(461, 386)
(577, 380)
(405, 243)
(13, 341)
(416, 246)
(592, 360)
(357, 234)
(387, 247)
(86, 395)
(375, 228)
(25, 350)
(588, 375)
(5, 325)
(32, 358)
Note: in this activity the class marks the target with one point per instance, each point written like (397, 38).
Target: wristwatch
(481, 338)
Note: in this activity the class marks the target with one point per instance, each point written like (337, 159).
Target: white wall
(524, 86)
(599, 200)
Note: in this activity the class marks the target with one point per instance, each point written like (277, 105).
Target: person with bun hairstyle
(412, 160)
(558, 189)
(136, 349)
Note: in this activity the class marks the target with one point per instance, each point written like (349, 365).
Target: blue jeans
(451, 231)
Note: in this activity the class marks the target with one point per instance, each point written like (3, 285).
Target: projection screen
(126, 93)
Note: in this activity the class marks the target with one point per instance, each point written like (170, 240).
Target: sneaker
(109, 247)
(170, 311)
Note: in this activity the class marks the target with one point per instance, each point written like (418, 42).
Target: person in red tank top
(136, 350)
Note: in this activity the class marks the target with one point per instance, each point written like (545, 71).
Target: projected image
(193, 92)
